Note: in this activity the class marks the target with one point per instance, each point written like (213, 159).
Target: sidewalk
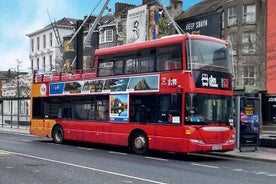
(15, 129)
(262, 153)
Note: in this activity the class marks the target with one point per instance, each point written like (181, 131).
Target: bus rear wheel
(58, 135)
(139, 143)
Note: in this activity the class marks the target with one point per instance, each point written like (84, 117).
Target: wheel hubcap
(140, 142)
(59, 135)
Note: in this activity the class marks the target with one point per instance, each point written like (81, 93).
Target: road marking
(204, 165)
(2, 152)
(269, 174)
(159, 159)
(88, 168)
(88, 149)
(25, 140)
(238, 170)
(10, 138)
(117, 153)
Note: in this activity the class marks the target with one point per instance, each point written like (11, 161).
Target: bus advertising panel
(249, 123)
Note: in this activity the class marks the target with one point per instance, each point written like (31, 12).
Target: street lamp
(18, 62)
(17, 70)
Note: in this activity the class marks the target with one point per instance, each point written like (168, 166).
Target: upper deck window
(165, 58)
(208, 55)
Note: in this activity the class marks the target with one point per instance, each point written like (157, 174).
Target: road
(26, 159)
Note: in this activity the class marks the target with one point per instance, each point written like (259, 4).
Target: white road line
(88, 149)
(88, 168)
(159, 159)
(238, 170)
(204, 165)
(9, 138)
(270, 174)
(117, 153)
(25, 140)
(2, 152)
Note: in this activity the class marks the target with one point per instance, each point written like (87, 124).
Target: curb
(239, 155)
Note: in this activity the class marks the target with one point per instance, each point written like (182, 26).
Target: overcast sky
(20, 17)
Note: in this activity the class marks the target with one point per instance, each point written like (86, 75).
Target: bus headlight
(196, 141)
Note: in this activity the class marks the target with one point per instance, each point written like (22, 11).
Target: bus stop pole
(238, 120)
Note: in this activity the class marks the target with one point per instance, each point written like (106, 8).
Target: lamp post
(18, 92)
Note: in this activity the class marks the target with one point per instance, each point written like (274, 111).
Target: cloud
(18, 19)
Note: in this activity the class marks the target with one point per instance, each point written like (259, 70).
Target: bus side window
(142, 108)
(163, 111)
(67, 113)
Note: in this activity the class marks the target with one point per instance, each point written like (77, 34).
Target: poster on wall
(119, 108)
(136, 24)
(249, 122)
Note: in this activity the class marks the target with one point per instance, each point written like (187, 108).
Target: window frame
(106, 36)
(249, 15)
(232, 16)
(38, 43)
(249, 75)
(249, 42)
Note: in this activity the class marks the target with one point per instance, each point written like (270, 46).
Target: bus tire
(58, 135)
(139, 143)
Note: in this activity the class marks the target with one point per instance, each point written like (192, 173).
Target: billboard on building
(153, 22)
(136, 24)
(208, 25)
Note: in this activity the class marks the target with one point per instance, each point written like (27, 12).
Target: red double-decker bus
(171, 94)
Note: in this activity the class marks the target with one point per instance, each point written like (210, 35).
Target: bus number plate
(216, 148)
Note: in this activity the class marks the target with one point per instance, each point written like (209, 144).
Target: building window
(32, 45)
(88, 42)
(248, 42)
(51, 62)
(109, 35)
(32, 64)
(233, 39)
(106, 36)
(249, 76)
(68, 46)
(51, 39)
(37, 63)
(232, 16)
(44, 63)
(44, 41)
(37, 40)
(249, 14)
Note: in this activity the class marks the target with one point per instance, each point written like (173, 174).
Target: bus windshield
(205, 109)
(208, 55)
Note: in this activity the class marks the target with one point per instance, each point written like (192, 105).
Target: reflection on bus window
(207, 55)
(161, 109)
(75, 108)
(205, 109)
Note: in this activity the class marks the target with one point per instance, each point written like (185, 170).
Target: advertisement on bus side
(128, 84)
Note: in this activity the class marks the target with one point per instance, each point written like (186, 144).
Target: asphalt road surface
(30, 160)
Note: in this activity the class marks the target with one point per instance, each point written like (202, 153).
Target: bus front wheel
(139, 143)
(58, 135)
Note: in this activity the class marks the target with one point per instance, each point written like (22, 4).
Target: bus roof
(177, 38)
